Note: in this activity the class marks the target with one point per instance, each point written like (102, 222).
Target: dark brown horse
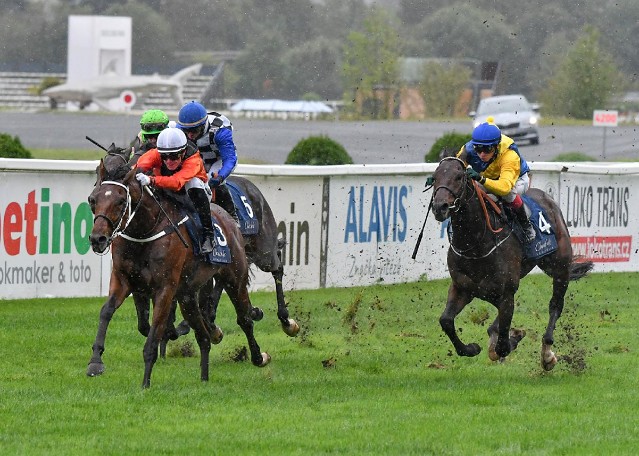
(486, 261)
(146, 261)
(264, 249)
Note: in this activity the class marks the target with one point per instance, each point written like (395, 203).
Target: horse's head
(110, 203)
(116, 157)
(450, 183)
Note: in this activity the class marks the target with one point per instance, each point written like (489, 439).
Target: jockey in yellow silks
(495, 162)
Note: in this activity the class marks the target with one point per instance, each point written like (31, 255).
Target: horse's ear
(464, 155)
(130, 174)
(100, 171)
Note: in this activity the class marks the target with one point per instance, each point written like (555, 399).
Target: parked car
(514, 116)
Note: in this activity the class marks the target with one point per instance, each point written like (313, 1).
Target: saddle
(221, 254)
(248, 223)
(545, 242)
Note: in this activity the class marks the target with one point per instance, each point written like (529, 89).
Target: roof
(281, 106)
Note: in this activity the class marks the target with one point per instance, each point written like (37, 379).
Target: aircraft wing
(110, 86)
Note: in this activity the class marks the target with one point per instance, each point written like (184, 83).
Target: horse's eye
(91, 200)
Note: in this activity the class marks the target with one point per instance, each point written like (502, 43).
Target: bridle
(117, 227)
(461, 200)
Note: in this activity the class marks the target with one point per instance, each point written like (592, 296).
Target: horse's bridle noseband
(127, 208)
(459, 199)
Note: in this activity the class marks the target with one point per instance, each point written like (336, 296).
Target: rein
(118, 231)
(461, 200)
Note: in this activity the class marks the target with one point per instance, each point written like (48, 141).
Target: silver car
(514, 116)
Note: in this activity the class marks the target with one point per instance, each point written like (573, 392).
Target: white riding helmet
(171, 140)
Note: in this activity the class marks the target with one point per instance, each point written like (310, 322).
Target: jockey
(176, 164)
(152, 123)
(495, 162)
(213, 134)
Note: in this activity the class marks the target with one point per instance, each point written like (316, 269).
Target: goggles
(153, 127)
(171, 156)
(196, 131)
(484, 148)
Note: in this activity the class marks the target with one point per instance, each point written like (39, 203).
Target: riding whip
(421, 233)
(177, 230)
(97, 144)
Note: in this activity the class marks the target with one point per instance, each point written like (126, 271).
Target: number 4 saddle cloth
(545, 242)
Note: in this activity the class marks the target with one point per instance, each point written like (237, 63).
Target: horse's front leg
(457, 300)
(505, 311)
(516, 335)
(555, 308)
(142, 303)
(161, 308)
(115, 300)
(191, 312)
(208, 299)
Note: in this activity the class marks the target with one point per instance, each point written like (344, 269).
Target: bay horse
(486, 261)
(264, 249)
(151, 258)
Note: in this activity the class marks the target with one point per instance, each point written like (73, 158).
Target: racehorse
(153, 256)
(486, 260)
(264, 249)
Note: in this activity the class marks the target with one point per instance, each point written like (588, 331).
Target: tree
(585, 80)
(152, 39)
(260, 73)
(443, 86)
(313, 67)
(370, 66)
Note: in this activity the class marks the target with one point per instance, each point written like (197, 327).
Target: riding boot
(203, 208)
(224, 199)
(524, 221)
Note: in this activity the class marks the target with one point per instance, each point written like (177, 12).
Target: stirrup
(208, 245)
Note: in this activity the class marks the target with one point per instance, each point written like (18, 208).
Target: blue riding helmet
(192, 115)
(486, 134)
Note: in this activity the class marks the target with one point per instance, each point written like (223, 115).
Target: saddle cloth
(545, 243)
(248, 223)
(221, 254)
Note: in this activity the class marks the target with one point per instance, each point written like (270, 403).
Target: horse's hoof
(95, 369)
(256, 314)
(492, 354)
(182, 329)
(292, 328)
(266, 358)
(217, 335)
(471, 350)
(548, 362)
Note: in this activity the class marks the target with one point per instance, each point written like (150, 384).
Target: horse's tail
(579, 269)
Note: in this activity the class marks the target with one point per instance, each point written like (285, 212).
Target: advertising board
(343, 226)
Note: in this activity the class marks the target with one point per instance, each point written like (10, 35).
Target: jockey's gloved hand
(430, 180)
(143, 179)
(473, 174)
(215, 180)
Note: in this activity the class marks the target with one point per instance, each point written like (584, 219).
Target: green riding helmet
(153, 122)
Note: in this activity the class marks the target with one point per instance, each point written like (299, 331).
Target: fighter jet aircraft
(104, 88)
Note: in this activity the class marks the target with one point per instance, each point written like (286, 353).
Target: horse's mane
(117, 174)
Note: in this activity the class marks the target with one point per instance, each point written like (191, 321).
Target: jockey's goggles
(484, 148)
(196, 131)
(171, 156)
(153, 127)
